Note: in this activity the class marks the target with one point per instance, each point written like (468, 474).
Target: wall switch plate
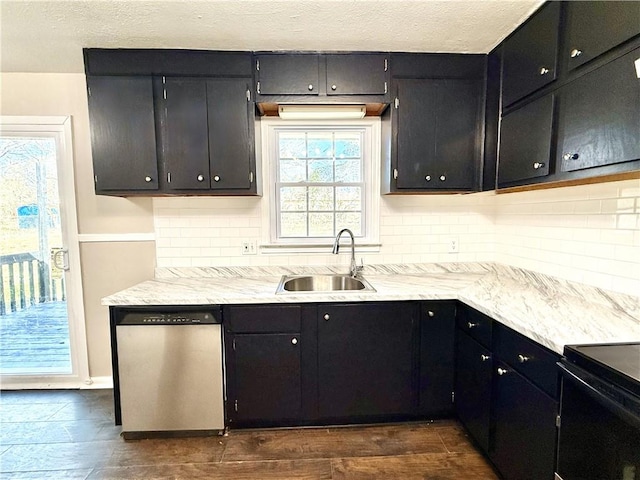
(249, 247)
(454, 245)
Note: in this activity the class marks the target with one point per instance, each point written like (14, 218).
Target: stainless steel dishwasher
(169, 371)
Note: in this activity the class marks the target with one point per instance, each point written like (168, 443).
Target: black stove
(617, 363)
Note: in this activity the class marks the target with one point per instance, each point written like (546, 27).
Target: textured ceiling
(48, 36)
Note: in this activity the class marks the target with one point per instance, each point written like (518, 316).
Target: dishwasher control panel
(170, 318)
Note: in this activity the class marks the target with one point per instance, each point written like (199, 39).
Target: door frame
(60, 128)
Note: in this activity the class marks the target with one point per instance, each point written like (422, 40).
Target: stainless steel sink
(323, 284)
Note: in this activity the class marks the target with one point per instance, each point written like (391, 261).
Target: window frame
(371, 146)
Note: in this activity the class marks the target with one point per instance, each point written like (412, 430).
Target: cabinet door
(599, 116)
(530, 55)
(437, 348)
(231, 150)
(525, 142)
(267, 378)
(596, 27)
(356, 74)
(365, 358)
(287, 74)
(473, 388)
(436, 134)
(524, 444)
(185, 134)
(123, 138)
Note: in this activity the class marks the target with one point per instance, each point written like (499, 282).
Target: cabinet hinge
(164, 88)
(395, 173)
(168, 177)
(258, 87)
(386, 65)
(453, 397)
(396, 102)
(95, 179)
(558, 421)
(250, 177)
(248, 95)
(233, 346)
(235, 406)
(89, 90)
(257, 65)
(385, 87)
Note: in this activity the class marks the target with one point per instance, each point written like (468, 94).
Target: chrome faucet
(353, 268)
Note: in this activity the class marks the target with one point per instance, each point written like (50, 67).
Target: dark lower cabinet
(524, 437)
(267, 378)
(474, 367)
(123, 135)
(365, 360)
(437, 358)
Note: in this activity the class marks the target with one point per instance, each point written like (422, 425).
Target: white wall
(589, 233)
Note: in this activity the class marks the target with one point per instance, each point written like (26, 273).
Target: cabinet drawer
(262, 319)
(532, 360)
(475, 324)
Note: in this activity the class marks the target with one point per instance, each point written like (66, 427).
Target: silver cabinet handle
(216, 178)
(326, 317)
(538, 165)
(200, 178)
(570, 156)
(472, 325)
(430, 313)
(428, 178)
(502, 371)
(523, 358)
(575, 53)
(310, 87)
(294, 341)
(442, 178)
(484, 357)
(544, 71)
(147, 179)
(333, 87)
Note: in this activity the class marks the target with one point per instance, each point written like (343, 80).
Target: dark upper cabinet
(436, 124)
(524, 434)
(357, 74)
(288, 74)
(365, 360)
(599, 116)
(530, 55)
(525, 142)
(593, 28)
(207, 134)
(474, 367)
(123, 136)
(437, 358)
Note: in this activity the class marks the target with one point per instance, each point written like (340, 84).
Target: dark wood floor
(70, 435)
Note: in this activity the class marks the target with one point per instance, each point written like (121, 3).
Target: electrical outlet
(249, 247)
(454, 245)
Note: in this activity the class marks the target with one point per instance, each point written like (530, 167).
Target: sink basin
(323, 284)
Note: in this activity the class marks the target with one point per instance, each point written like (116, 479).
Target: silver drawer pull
(544, 71)
(430, 313)
(294, 341)
(472, 325)
(200, 178)
(326, 317)
(502, 371)
(216, 178)
(538, 165)
(147, 179)
(523, 358)
(575, 53)
(484, 357)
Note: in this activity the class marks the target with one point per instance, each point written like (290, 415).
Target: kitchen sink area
(323, 284)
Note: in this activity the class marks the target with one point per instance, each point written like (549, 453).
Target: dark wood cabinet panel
(365, 360)
(599, 116)
(231, 134)
(437, 358)
(185, 152)
(356, 74)
(436, 134)
(267, 378)
(288, 74)
(593, 28)
(529, 56)
(526, 142)
(123, 136)
(524, 443)
(474, 366)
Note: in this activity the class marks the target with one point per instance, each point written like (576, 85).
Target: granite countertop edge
(548, 310)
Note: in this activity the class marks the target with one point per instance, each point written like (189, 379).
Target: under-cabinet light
(321, 112)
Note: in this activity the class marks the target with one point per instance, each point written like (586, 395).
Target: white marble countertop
(550, 311)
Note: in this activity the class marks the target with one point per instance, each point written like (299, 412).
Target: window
(323, 177)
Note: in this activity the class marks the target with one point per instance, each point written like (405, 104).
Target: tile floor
(70, 435)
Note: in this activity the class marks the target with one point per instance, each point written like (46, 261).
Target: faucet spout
(353, 268)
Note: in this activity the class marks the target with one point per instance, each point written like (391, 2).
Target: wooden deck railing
(25, 281)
